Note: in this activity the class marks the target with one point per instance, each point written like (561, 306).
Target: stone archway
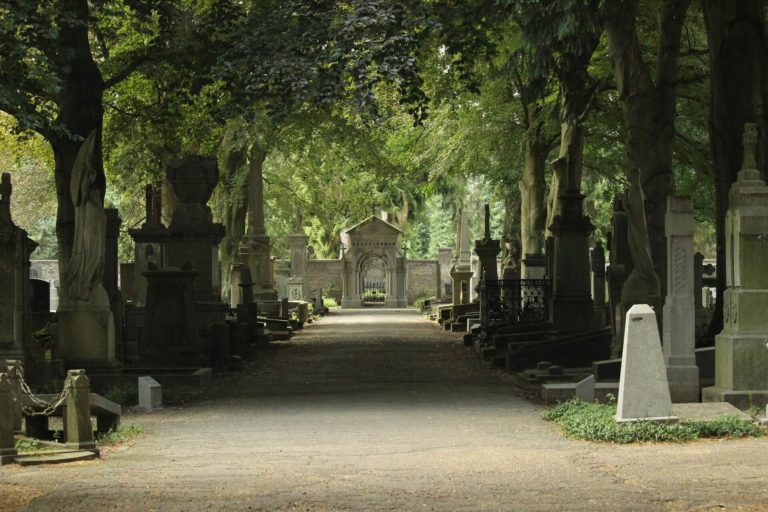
(373, 260)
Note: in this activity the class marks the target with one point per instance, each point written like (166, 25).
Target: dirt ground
(379, 410)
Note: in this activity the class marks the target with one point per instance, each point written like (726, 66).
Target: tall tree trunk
(533, 214)
(80, 111)
(649, 107)
(738, 62)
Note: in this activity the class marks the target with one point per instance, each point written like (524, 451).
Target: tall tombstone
(256, 247)
(297, 286)
(445, 259)
(461, 273)
(487, 251)
(15, 249)
(741, 355)
(597, 263)
(679, 328)
(149, 245)
(572, 305)
(193, 238)
(620, 266)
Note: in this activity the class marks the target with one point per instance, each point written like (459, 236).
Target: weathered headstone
(643, 387)
(597, 263)
(170, 337)
(150, 393)
(679, 329)
(585, 389)
(741, 358)
(572, 305)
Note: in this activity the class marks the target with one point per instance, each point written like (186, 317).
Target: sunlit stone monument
(741, 356)
(461, 273)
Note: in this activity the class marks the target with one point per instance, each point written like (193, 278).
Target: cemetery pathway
(379, 410)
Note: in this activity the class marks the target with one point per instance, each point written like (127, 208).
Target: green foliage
(123, 434)
(330, 302)
(32, 447)
(123, 394)
(596, 422)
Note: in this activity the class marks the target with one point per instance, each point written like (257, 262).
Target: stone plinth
(255, 252)
(741, 356)
(533, 266)
(461, 285)
(150, 393)
(643, 387)
(193, 238)
(86, 332)
(679, 329)
(572, 305)
(170, 337)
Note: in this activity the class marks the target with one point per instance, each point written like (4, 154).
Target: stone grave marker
(150, 393)
(585, 389)
(643, 387)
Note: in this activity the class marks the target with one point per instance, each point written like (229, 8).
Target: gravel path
(379, 410)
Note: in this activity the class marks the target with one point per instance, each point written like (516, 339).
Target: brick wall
(323, 273)
(421, 278)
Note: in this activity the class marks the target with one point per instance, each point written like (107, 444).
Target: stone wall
(325, 274)
(421, 279)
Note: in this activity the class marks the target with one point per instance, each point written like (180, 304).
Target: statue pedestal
(86, 332)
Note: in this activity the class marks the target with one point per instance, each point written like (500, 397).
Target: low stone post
(14, 379)
(79, 431)
(7, 406)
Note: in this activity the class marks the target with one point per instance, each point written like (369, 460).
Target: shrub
(123, 394)
(122, 434)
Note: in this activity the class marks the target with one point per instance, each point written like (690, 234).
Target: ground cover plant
(121, 434)
(596, 422)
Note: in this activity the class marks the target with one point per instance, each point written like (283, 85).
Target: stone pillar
(110, 250)
(149, 247)
(572, 306)
(597, 262)
(297, 285)
(620, 266)
(256, 247)
(461, 273)
(193, 238)
(741, 358)
(171, 337)
(474, 266)
(77, 423)
(698, 279)
(444, 258)
(679, 327)
(7, 442)
(15, 371)
(15, 293)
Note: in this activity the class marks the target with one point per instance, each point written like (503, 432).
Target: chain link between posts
(48, 407)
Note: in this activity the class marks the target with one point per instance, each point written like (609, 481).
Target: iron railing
(514, 302)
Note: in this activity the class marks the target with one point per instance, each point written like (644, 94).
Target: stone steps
(56, 457)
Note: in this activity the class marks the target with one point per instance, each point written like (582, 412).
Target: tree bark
(533, 214)
(80, 111)
(649, 106)
(738, 63)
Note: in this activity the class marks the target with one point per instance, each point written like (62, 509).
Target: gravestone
(741, 358)
(597, 263)
(297, 285)
(679, 328)
(170, 337)
(445, 260)
(193, 238)
(149, 245)
(643, 387)
(572, 305)
(620, 267)
(461, 273)
(150, 393)
(585, 389)
(15, 249)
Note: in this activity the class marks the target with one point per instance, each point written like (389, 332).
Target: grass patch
(122, 434)
(596, 422)
(330, 302)
(32, 447)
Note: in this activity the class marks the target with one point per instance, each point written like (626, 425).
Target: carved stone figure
(643, 282)
(85, 266)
